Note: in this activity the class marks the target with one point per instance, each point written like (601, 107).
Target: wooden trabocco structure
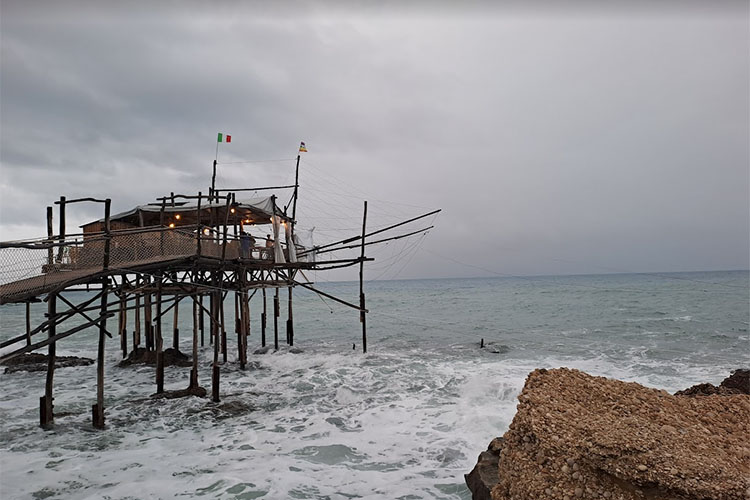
(194, 250)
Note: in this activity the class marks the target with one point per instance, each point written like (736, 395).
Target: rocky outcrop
(737, 383)
(579, 436)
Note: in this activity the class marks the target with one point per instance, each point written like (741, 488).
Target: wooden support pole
(61, 234)
(176, 328)
(240, 301)
(246, 322)
(194, 370)
(46, 408)
(97, 411)
(123, 325)
(362, 311)
(214, 325)
(200, 319)
(263, 317)
(50, 252)
(276, 319)
(28, 323)
(148, 326)
(137, 320)
(290, 321)
(223, 328)
(159, 339)
(237, 312)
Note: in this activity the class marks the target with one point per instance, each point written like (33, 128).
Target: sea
(324, 420)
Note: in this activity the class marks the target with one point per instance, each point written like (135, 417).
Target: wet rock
(263, 350)
(181, 393)
(578, 436)
(140, 356)
(484, 476)
(36, 362)
(739, 380)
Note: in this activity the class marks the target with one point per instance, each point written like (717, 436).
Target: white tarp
(278, 253)
(290, 243)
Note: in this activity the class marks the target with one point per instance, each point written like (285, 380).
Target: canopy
(248, 212)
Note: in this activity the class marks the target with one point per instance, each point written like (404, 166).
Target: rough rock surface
(737, 383)
(483, 477)
(578, 436)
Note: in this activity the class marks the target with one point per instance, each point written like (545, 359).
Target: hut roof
(249, 211)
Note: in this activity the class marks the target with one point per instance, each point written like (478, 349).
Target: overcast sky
(563, 138)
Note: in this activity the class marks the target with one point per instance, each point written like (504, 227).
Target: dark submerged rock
(140, 356)
(36, 362)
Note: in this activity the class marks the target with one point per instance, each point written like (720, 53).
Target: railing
(21, 261)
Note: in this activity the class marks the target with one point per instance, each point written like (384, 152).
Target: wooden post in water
(200, 319)
(148, 325)
(362, 316)
(123, 323)
(28, 322)
(137, 320)
(176, 328)
(276, 319)
(222, 324)
(46, 408)
(215, 374)
(263, 317)
(194, 370)
(290, 320)
(159, 339)
(240, 322)
(97, 410)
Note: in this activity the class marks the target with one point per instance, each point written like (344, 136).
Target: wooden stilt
(46, 409)
(215, 299)
(159, 340)
(176, 328)
(97, 411)
(290, 321)
(28, 323)
(240, 322)
(263, 320)
(276, 319)
(223, 328)
(123, 325)
(50, 251)
(362, 316)
(98, 408)
(137, 320)
(200, 319)
(194, 370)
(148, 325)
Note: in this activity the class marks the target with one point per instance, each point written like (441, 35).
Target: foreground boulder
(483, 477)
(578, 436)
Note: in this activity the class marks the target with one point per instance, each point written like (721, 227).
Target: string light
(178, 216)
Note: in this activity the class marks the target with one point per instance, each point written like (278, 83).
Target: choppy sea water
(404, 421)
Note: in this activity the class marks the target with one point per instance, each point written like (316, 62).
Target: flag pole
(213, 176)
(296, 186)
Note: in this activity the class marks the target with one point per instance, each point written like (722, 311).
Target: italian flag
(224, 137)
